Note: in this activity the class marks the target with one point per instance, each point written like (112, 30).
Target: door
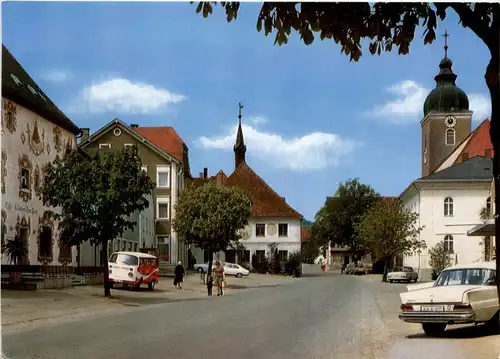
(120, 265)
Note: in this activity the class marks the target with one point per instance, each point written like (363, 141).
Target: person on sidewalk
(219, 277)
(179, 275)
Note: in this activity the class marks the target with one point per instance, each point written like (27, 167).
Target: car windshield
(408, 269)
(465, 276)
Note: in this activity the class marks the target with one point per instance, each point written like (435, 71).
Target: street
(318, 316)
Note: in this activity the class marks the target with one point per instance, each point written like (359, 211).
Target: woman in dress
(219, 277)
(179, 275)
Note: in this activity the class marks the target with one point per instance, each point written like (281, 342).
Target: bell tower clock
(447, 120)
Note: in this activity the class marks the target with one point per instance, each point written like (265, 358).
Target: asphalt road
(329, 316)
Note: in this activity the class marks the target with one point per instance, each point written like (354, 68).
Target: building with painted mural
(165, 158)
(34, 133)
(272, 220)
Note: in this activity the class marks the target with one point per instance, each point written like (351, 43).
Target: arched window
(450, 137)
(448, 243)
(448, 206)
(488, 206)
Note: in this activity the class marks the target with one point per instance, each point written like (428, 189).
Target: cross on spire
(240, 106)
(446, 35)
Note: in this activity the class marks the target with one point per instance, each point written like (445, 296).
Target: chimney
(85, 134)
(205, 173)
(134, 125)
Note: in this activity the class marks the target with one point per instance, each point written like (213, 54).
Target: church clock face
(450, 121)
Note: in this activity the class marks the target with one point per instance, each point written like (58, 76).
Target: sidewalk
(20, 308)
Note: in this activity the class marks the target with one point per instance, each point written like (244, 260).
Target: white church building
(457, 172)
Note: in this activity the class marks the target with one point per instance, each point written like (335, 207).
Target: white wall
(468, 199)
(14, 146)
(290, 243)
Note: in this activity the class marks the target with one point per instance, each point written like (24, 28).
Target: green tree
(439, 258)
(310, 251)
(389, 230)
(387, 25)
(96, 197)
(211, 217)
(485, 214)
(336, 221)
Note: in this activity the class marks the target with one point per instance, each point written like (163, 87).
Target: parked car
(229, 268)
(402, 274)
(361, 268)
(461, 294)
(235, 269)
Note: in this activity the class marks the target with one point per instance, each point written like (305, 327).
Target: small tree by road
(389, 229)
(336, 221)
(439, 258)
(211, 217)
(95, 197)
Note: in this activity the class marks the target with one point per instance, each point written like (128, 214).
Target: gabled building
(34, 132)
(165, 158)
(456, 175)
(272, 220)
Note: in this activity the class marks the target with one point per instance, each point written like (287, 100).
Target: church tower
(447, 119)
(239, 147)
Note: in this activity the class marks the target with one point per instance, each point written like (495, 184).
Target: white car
(229, 269)
(402, 274)
(236, 270)
(461, 294)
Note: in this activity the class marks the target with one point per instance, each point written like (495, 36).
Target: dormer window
(450, 137)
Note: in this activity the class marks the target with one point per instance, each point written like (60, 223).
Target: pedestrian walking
(179, 275)
(219, 277)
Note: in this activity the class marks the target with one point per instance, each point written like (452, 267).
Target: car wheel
(433, 329)
(494, 323)
(200, 270)
(239, 275)
(152, 285)
(391, 281)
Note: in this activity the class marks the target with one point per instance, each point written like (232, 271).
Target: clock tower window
(450, 137)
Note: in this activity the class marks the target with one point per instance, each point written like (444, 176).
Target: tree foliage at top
(211, 217)
(95, 196)
(389, 229)
(336, 221)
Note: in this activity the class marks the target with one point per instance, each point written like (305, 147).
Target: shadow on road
(468, 332)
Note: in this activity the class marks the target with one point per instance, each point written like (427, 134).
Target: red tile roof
(479, 143)
(164, 137)
(265, 201)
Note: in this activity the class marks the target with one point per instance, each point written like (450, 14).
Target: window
(144, 168)
(260, 256)
(488, 206)
(230, 256)
(448, 206)
(283, 256)
(113, 258)
(162, 176)
(127, 259)
(283, 229)
(260, 230)
(45, 245)
(164, 248)
(162, 208)
(448, 243)
(244, 256)
(124, 246)
(25, 179)
(450, 137)
(126, 145)
(104, 145)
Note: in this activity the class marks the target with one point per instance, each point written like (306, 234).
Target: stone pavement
(23, 308)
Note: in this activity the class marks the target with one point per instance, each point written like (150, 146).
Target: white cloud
(57, 75)
(408, 102)
(257, 120)
(120, 95)
(313, 151)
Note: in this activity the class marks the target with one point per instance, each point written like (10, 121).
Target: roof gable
(476, 168)
(265, 201)
(18, 86)
(165, 138)
(105, 129)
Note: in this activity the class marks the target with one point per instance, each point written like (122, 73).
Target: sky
(311, 118)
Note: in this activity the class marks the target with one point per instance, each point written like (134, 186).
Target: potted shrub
(16, 250)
